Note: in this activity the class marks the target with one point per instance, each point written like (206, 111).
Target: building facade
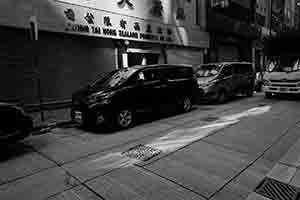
(80, 40)
(232, 30)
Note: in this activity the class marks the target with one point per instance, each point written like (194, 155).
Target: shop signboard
(110, 25)
(157, 21)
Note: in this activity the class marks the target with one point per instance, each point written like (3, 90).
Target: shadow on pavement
(212, 102)
(286, 97)
(13, 150)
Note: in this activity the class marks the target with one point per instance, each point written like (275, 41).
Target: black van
(117, 97)
(219, 81)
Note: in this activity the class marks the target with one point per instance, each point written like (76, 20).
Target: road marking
(177, 139)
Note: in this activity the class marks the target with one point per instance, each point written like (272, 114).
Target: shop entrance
(142, 59)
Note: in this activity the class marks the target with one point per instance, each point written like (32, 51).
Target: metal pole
(38, 79)
(271, 16)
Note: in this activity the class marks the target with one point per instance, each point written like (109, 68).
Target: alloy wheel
(187, 104)
(125, 118)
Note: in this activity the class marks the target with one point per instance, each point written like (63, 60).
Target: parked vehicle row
(119, 96)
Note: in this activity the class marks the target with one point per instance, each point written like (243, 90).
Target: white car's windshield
(207, 70)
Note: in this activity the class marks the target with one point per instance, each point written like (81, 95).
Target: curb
(42, 129)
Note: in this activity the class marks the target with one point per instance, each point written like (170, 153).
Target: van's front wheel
(124, 118)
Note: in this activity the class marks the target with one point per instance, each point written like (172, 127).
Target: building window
(219, 3)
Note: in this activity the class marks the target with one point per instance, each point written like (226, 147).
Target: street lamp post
(270, 20)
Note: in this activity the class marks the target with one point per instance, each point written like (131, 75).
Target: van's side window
(151, 75)
(226, 71)
(237, 69)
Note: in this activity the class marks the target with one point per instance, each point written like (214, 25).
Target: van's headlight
(101, 97)
(205, 84)
(298, 84)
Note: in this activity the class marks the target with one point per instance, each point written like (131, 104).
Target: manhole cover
(141, 152)
(210, 119)
(276, 190)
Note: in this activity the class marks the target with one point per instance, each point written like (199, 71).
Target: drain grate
(209, 119)
(276, 190)
(141, 152)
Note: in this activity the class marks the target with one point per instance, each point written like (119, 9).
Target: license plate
(78, 116)
(283, 89)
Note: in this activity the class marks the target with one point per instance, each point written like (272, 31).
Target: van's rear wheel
(222, 97)
(186, 104)
(249, 93)
(124, 118)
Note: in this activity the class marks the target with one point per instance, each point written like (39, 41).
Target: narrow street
(214, 152)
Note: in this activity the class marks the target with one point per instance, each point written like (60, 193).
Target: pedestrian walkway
(286, 170)
(52, 118)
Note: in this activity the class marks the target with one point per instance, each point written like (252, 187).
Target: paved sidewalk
(286, 170)
(52, 118)
(214, 152)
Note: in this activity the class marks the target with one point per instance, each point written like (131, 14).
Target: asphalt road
(213, 152)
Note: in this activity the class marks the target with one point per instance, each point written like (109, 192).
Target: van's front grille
(285, 81)
(282, 85)
(279, 83)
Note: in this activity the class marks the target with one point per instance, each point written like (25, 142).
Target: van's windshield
(291, 66)
(113, 79)
(207, 70)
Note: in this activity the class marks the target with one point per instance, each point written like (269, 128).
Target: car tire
(222, 97)
(124, 118)
(186, 104)
(268, 95)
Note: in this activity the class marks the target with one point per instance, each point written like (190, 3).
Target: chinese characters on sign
(123, 3)
(70, 15)
(123, 28)
(123, 24)
(89, 18)
(157, 8)
(107, 21)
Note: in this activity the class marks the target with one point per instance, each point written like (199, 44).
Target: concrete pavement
(214, 152)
